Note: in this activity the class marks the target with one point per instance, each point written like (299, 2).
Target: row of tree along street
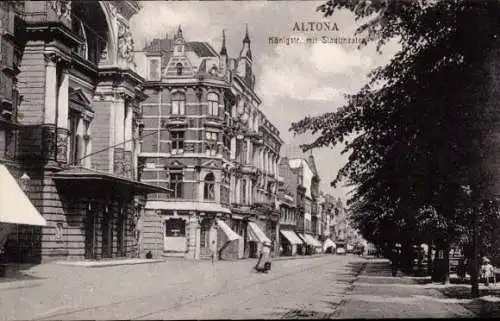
(423, 132)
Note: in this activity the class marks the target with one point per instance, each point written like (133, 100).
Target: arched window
(179, 67)
(209, 188)
(178, 103)
(213, 104)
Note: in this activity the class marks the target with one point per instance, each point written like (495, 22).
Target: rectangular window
(212, 136)
(213, 104)
(178, 104)
(177, 138)
(73, 139)
(176, 185)
(154, 69)
(211, 144)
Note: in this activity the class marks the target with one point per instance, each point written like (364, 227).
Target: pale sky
(293, 80)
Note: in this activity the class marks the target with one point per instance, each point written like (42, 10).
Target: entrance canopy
(255, 234)
(90, 181)
(291, 237)
(231, 235)
(328, 243)
(15, 206)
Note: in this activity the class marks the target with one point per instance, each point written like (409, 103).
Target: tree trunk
(475, 256)
(446, 264)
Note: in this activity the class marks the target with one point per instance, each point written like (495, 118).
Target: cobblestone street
(318, 287)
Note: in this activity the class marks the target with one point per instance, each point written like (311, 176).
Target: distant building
(300, 178)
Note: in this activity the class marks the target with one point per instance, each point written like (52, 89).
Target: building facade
(206, 139)
(299, 176)
(75, 129)
(289, 240)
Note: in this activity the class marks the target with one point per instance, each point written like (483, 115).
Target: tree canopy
(419, 124)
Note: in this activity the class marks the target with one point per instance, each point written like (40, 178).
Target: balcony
(248, 169)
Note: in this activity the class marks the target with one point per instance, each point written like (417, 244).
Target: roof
(95, 178)
(166, 46)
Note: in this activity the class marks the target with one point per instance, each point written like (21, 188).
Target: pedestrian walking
(264, 262)
(487, 271)
(213, 251)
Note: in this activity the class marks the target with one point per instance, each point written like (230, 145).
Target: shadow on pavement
(17, 272)
(305, 314)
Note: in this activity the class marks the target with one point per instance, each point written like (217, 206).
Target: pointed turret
(246, 51)
(179, 33)
(223, 50)
(247, 37)
(179, 43)
(223, 55)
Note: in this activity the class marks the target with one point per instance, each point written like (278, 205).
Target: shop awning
(231, 235)
(15, 206)
(309, 240)
(92, 181)
(328, 243)
(255, 234)
(187, 206)
(291, 237)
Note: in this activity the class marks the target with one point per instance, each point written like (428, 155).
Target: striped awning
(328, 243)
(309, 240)
(255, 234)
(15, 206)
(231, 235)
(291, 237)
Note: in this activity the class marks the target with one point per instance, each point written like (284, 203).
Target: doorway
(90, 233)
(107, 234)
(120, 234)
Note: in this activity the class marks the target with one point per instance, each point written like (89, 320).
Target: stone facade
(76, 127)
(206, 139)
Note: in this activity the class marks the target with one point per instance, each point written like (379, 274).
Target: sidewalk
(376, 293)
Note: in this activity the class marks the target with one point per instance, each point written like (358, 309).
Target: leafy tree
(420, 124)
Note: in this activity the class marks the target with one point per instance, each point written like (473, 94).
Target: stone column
(128, 153)
(87, 160)
(194, 237)
(50, 109)
(249, 147)
(119, 136)
(233, 148)
(62, 118)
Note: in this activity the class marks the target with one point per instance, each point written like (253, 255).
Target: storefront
(15, 210)
(194, 230)
(289, 242)
(102, 211)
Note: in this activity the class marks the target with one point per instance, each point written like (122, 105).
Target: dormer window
(179, 67)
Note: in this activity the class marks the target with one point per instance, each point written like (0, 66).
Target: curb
(107, 264)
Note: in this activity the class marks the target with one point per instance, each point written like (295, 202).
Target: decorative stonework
(49, 145)
(63, 10)
(62, 145)
(125, 43)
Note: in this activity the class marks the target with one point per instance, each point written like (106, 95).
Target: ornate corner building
(207, 141)
(70, 121)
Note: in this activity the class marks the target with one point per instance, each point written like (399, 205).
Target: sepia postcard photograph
(205, 160)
